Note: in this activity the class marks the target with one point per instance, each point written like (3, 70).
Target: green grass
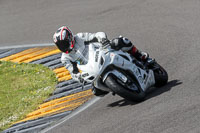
(23, 87)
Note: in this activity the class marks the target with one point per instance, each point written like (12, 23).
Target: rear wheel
(136, 95)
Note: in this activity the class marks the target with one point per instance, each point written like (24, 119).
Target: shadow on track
(157, 91)
(121, 103)
(153, 92)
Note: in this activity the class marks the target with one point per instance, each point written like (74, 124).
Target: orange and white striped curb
(67, 96)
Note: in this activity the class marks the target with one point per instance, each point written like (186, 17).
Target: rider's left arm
(93, 37)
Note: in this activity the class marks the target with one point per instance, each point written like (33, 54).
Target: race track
(169, 30)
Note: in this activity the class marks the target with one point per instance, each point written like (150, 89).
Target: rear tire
(124, 92)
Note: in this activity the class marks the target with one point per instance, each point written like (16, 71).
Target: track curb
(68, 95)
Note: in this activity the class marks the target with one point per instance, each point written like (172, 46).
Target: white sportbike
(118, 72)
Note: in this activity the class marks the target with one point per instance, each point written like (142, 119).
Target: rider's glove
(76, 77)
(102, 40)
(101, 36)
(105, 41)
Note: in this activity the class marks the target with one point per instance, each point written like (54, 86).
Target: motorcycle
(110, 70)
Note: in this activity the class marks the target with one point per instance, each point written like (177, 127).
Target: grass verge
(23, 87)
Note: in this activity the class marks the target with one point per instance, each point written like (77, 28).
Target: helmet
(64, 40)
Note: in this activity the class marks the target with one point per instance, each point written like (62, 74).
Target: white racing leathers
(79, 54)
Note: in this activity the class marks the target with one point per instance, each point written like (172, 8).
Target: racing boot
(147, 61)
(139, 55)
(142, 57)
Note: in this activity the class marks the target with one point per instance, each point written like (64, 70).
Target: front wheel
(160, 74)
(117, 88)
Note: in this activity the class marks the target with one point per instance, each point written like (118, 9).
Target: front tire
(124, 92)
(161, 76)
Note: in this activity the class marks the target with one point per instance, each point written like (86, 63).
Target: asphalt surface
(168, 29)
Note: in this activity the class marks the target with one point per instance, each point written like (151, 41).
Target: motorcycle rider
(75, 48)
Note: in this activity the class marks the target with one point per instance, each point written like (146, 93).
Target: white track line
(27, 45)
